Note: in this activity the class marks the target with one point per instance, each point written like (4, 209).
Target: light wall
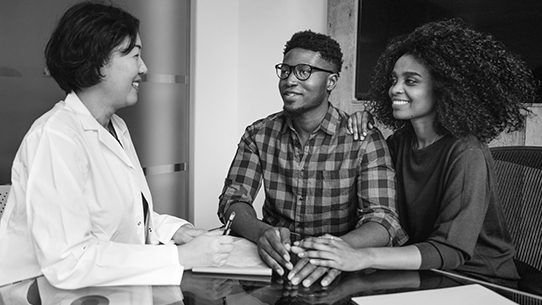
(235, 45)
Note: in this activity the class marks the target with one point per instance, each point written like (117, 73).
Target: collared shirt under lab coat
(74, 213)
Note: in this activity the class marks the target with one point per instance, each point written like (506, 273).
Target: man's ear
(332, 81)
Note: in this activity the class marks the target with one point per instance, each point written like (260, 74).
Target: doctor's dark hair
(83, 40)
(329, 49)
(480, 88)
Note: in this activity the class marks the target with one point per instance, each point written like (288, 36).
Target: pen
(228, 224)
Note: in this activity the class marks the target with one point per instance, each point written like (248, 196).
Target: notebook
(243, 260)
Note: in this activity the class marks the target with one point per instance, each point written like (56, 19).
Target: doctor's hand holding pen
(205, 248)
(209, 249)
(200, 248)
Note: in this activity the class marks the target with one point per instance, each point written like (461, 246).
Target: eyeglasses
(301, 71)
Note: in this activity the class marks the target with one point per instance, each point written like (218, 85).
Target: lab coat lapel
(90, 124)
(125, 138)
(110, 142)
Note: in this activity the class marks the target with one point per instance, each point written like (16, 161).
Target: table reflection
(39, 291)
(280, 291)
(208, 289)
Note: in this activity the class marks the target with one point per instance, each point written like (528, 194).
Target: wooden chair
(4, 191)
(519, 178)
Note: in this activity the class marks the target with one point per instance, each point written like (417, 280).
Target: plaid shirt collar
(329, 124)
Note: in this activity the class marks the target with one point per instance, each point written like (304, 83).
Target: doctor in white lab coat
(80, 211)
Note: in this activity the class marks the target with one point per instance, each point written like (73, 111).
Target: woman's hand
(330, 251)
(210, 249)
(307, 274)
(186, 233)
(359, 123)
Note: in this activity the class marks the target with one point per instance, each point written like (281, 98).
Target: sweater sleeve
(462, 211)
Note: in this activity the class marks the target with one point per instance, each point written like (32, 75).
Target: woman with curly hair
(446, 90)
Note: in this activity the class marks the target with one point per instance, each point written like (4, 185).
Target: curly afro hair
(329, 49)
(480, 88)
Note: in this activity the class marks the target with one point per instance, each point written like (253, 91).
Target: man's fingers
(302, 273)
(297, 268)
(276, 255)
(330, 277)
(282, 245)
(314, 276)
(271, 262)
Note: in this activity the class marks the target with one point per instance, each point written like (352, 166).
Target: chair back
(4, 191)
(519, 179)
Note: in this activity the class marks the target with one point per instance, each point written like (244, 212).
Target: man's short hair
(83, 40)
(329, 48)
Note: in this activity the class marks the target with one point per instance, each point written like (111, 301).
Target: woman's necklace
(434, 140)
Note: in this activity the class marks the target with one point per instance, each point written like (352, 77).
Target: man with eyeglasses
(318, 180)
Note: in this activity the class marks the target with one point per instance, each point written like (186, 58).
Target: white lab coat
(74, 213)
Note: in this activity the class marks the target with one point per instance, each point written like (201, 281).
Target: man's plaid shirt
(332, 185)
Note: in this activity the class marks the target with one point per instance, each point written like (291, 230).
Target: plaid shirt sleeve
(244, 177)
(377, 188)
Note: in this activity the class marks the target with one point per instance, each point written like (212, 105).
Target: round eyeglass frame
(284, 74)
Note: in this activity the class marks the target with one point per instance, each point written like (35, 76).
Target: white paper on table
(465, 295)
